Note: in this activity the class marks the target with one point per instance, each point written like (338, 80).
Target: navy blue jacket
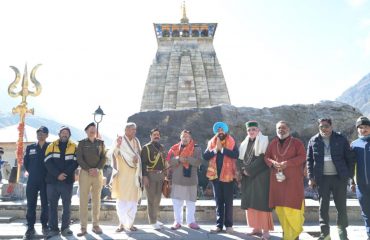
(361, 147)
(33, 162)
(341, 155)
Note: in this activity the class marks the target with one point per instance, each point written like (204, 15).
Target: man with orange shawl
(286, 156)
(222, 153)
(184, 158)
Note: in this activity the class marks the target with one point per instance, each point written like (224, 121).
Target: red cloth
(290, 192)
(187, 151)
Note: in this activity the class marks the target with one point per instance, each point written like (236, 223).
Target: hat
(251, 123)
(43, 129)
(90, 125)
(362, 121)
(65, 128)
(218, 125)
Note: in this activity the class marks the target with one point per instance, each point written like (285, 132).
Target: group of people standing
(270, 174)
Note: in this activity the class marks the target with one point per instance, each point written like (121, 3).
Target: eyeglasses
(324, 126)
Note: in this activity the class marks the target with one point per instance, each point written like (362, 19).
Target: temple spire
(184, 18)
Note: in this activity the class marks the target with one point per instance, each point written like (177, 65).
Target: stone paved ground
(16, 229)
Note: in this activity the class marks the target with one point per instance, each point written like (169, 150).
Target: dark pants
(32, 192)
(223, 193)
(332, 184)
(363, 195)
(54, 192)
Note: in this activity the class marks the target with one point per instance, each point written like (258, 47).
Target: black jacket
(341, 155)
(33, 162)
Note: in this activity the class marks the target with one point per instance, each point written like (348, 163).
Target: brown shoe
(82, 233)
(97, 230)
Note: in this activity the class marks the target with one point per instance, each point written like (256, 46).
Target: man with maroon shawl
(286, 156)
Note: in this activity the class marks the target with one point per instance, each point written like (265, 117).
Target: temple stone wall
(185, 74)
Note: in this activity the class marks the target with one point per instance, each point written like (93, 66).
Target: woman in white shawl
(255, 179)
(126, 177)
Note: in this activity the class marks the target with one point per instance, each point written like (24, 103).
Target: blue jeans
(363, 196)
(32, 191)
(54, 192)
(224, 195)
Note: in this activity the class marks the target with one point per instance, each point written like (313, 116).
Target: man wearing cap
(255, 181)
(222, 153)
(286, 157)
(153, 165)
(34, 164)
(361, 147)
(91, 158)
(126, 185)
(60, 161)
(329, 166)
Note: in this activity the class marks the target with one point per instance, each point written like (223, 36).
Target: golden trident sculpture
(22, 109)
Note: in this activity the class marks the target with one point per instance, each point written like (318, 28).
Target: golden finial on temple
(184, 18)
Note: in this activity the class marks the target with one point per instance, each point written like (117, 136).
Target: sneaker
(29, 234)
(229, 230)
(52, 233)
(342, 233)
(194, 226)
(324, 237)
(67, 232)
(176, 226)
(156, 226)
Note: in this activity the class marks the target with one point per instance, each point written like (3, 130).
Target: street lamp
(98, 117)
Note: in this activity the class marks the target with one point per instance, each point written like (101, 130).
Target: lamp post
(98, 117)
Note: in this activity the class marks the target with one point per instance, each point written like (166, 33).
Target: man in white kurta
(126, 180)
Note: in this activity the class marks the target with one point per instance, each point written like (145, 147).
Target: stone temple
(185, 72)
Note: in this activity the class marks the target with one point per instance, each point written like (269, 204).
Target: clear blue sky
(99, 52)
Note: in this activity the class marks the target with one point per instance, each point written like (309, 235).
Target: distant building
(185, 72)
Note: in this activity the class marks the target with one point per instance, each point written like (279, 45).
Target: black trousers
(224, 195)
(338, 187)
(32, 191)
(54, 192)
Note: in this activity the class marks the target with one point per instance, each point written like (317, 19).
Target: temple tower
(185, 72)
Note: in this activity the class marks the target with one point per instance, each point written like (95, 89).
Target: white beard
(283, 136)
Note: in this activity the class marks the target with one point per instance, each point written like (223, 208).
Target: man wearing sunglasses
(330, 164)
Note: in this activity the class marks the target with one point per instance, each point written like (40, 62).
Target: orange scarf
(228, 171)
(187, 151)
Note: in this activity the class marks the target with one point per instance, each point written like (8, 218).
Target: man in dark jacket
(34, 165)
(361, 147)
(60, 161)
(330, 164)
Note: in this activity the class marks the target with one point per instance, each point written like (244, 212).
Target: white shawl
(260, 145)
(128, 153)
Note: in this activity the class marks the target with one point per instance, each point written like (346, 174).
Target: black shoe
(67, 232)
(342, 233)
(52, 233)
(45, 230)
(29, 234)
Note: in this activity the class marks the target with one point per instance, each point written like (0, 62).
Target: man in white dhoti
(127, 175)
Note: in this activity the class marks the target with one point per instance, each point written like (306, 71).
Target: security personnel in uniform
(91, 158)
(34, 165)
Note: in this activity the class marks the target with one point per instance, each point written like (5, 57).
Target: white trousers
(178, 209)
(126, 211)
